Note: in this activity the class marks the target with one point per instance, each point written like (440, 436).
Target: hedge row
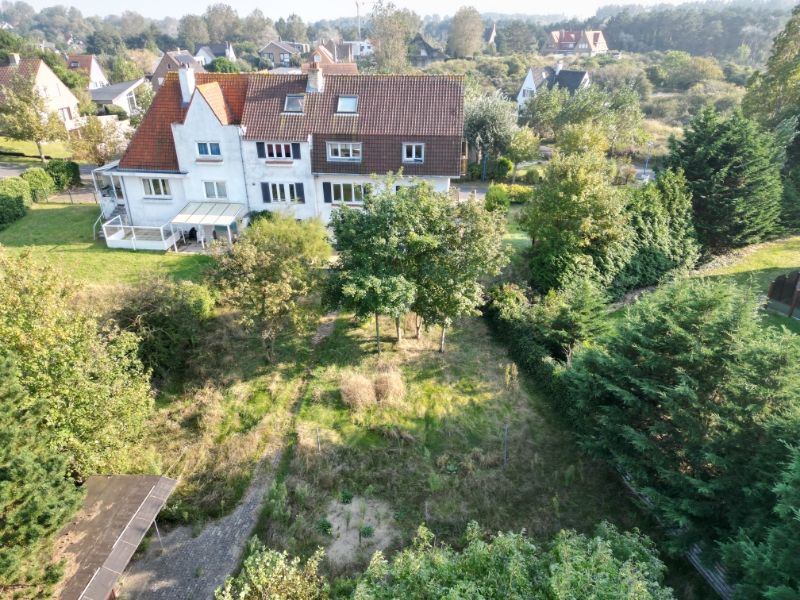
(65, 173)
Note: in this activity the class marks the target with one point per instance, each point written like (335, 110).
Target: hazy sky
(313, 10)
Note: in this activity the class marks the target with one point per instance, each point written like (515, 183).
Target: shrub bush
(15, 198)
(65, 173)
(41, 184)
(112, 109)
(497, 198)
(517, 194)
(389, 385)
(502, 168)
(533, 175)
(357, 390)
(169, 318)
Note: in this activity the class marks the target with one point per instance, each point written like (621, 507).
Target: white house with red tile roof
(583, 43)
(90, 66)
(215, 148)
(57, 96)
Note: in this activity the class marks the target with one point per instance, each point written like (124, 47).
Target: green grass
(761, 264)
(437, 457)
(54, 150)
(61, 234)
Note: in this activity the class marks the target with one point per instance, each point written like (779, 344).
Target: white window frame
(302, 98)
(342, 110)
(209, 154)
(217, 187)
(415, 146)
(340, 188)
(278, 151)
(344, 151)
(156, 187)
(284, 192)
(65, 113)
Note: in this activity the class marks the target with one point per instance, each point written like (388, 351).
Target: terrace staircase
(119, 211)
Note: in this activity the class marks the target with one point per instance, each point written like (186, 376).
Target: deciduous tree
(24, 115)
(392, 29)
(466, 33)
(523, 147)
(99, 142)
(489, 122)
(273, 274)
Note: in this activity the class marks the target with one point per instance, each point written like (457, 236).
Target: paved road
(191, 567)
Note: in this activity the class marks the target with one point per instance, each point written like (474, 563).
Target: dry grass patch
(357, 390)
(358, 529)
(389, 385)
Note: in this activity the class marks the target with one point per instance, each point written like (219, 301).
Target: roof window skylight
(294, 103)
(347, 104)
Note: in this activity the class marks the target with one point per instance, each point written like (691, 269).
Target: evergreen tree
(36, 495)
(770, 569)
(663, 232)
(735, 183)
(691, 397)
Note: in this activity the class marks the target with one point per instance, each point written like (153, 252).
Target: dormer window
(347, 104)
(294, 103)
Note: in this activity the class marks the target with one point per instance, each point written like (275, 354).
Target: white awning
(209, 213)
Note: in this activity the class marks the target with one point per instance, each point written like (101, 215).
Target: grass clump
(357, 390)
(389, 385)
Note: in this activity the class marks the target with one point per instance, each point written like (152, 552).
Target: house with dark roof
(214, 148)
(122, 95)
(581, 43)
(90, 66)
(279, 53)
(57, 96)
(208, 53)
(422, 53)
(549, 77)
(171, 62)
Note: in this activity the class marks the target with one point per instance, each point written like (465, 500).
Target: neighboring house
(332, 69)
(207, 54)
(45, 45)
(323, 58)
(359, 48)
(90, 66)
(583, 43)
(490, 35)
(120, 94)
(279, 53)
(301, 47)
(6, 26)
(172, 61)
(214, 148)
(550, 77)
(341, 52)
(421, 53)
(58, 97)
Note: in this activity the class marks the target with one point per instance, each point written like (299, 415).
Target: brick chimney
(316, 81)
(186, 77)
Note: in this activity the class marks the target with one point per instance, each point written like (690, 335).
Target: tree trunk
(41, 151)
(399, 329)
(377, 334)
(514, 174)
(484, 160)
(441, 339)
(417, 323)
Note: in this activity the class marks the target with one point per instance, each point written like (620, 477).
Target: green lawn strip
(62, 235)
(53, 150)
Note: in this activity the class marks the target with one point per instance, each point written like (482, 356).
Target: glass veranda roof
(209, 213)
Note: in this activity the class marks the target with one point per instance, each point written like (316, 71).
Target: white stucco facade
(218, 164)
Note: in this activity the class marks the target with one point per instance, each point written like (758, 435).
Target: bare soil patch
(349, 524)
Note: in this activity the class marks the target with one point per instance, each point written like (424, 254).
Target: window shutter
(265, 192)
(260, 150)
(296, 151)
(298, 188)
(326, 192)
